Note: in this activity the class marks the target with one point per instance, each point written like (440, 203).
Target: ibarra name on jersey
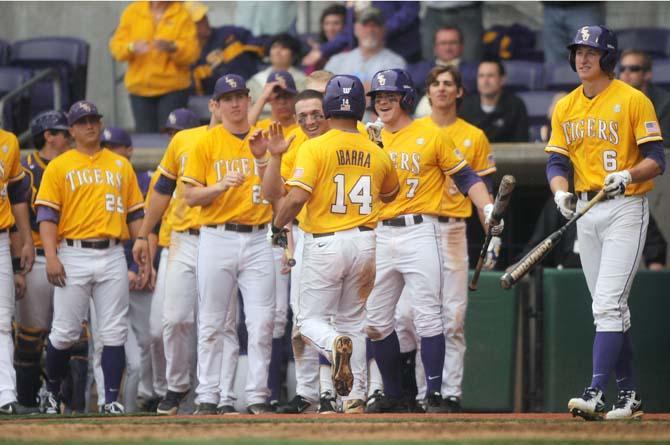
(353, 157)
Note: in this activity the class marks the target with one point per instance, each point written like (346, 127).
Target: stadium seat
(4, 53)
(654, 41)
(68, 55)
(661, 73)
(523, 75)
(199, 105)
(537, 105)
(469, 77)
(150, 140)
(419, 71)
(560, 77)
(15, 113)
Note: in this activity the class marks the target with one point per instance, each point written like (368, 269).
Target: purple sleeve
(165, 185)
(557, 165)
(19, 191)
(128, 251)
(343, 40)
(654, 150)
(45, 213)
(135, 214)
(488, 182)
(465, 178)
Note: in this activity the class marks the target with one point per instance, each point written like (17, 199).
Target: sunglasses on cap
(631, 68)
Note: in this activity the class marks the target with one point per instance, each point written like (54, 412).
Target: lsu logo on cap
(230, 81)
(106, 134)
(172, 118)
(345, 106)
(381, 80)
(86, 107)
(585, 33)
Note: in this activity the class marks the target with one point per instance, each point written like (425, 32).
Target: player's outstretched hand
(495, 227)
(564, 203)
(55, 272)
(19, 286)
(165, 45)
(492, 253)
(374, 130)
(277, 145)
(279, 236)
(258, 143)
(615, 183)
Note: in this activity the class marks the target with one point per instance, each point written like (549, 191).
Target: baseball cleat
(353, 406)
(226, 410)
(453, 404)
(343, 378)
(9, 409)
(374, 399)
(147, 405)
(259, 408)
(327, 403)
(205, 409)
(297, 405)
(627, 407)
(386, 404)
(114, 408)
(51, 403)
(435, 404)
(589, 406)
(170, 404)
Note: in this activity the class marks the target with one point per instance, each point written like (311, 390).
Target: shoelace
(624, 398)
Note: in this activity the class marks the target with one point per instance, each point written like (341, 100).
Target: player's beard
(369, 43)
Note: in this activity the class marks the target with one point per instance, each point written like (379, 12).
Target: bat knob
(506, 281)
(291, 262)
(472, 287)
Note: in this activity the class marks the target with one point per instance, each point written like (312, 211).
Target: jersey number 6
(609, 161)
(360, 194)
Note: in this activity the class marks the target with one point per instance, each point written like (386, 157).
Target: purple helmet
(344, 97)
(398, 81)
(599, 37)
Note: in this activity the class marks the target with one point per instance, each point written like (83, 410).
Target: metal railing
(51, 73)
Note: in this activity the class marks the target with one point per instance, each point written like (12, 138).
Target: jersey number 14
(360, 194)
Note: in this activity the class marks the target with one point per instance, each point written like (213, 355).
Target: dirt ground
(363, 428)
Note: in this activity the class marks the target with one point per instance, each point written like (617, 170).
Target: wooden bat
(499, 206)
(538, 253)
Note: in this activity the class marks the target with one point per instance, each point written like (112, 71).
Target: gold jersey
(10, 172)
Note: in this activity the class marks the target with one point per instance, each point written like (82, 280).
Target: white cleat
(589, 406)
(627, 407)
(114, 408)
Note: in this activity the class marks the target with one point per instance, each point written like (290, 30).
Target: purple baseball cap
(81, 109)
(288, 79)
(229, 83)
(181, 119)
(114, 136)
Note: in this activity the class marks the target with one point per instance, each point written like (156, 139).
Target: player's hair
(287, 41)
(39, 140)
(455, 74)
(646, 59)
(496, 61)
(308, 94)
(331, 10)
(450, 28)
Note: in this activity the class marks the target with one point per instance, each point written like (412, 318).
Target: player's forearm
(255, 110)
(647, 169)
(559, 183)
(288, 209)
(156, 206)
(201, 196)
(273, 185)
(49, 237)
(134, 227)
(22, 219)
(479, 195)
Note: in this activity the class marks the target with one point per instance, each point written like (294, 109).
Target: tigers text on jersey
(345, 174)
(422, 154)
(10, 171)
(601, 135)
(216, 154)
(93, 194)
(180, 216)
(34, 166)
(474, 147)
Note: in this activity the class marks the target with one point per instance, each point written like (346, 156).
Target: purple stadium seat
(4, 53)
(469, 77)
(537, 104)
(419, 71)
(150, 140)
(560, 77)
(661, 73)
(523, 75)
(15, 113)
(654, 41)
(199, 105)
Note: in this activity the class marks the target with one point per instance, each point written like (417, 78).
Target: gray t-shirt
(352, 62)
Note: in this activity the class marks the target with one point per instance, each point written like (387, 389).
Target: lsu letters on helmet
(398, 81)
(48, 120)
(344, 97)
(599, 37)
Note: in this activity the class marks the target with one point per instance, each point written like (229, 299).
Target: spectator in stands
(226, 49)
(266, 18)
(371, 55)
(335, 36)
(180, 119)
(158, 40)
(402, 25)
(561, 21)
(279, 92)
(284, 53)
(501, 114)
(465, 15)
(635, 68)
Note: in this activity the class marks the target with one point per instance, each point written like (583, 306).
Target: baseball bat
(538, 253)
(499, 206)
(289, 259)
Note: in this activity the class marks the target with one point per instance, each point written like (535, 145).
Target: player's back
(346, 174)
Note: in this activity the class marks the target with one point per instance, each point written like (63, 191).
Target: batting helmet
(344, 97)
(599, 37)
(398, 81)
(48, 120)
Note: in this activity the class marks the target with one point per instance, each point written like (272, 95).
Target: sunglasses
(631, 68)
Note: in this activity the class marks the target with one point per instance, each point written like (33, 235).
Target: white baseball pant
(337, 275)
(156, 327)
(231, 353)
(35, 309)
(7, 373)
(139, 375)
(227, 259)
(611, 238)
(281, 295)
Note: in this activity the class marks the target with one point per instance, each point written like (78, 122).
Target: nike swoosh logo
(320, 244)
(433, 377)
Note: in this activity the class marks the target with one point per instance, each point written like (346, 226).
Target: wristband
(262, 162)
(16, 264)
(143, 238)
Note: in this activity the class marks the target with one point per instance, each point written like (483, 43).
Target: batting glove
(615, 183)
(564, 203)
(492, 253)
(496, 229)
(279, 236)
(374, 130)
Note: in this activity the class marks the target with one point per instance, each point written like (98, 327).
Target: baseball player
(310, 117)
(180, 119)
(408, 247)
(341, 178)
(279, 91)
(90, 201)
(221, 176)
(608, 133)
(444, 91)
(176, 314)
(13, 209)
